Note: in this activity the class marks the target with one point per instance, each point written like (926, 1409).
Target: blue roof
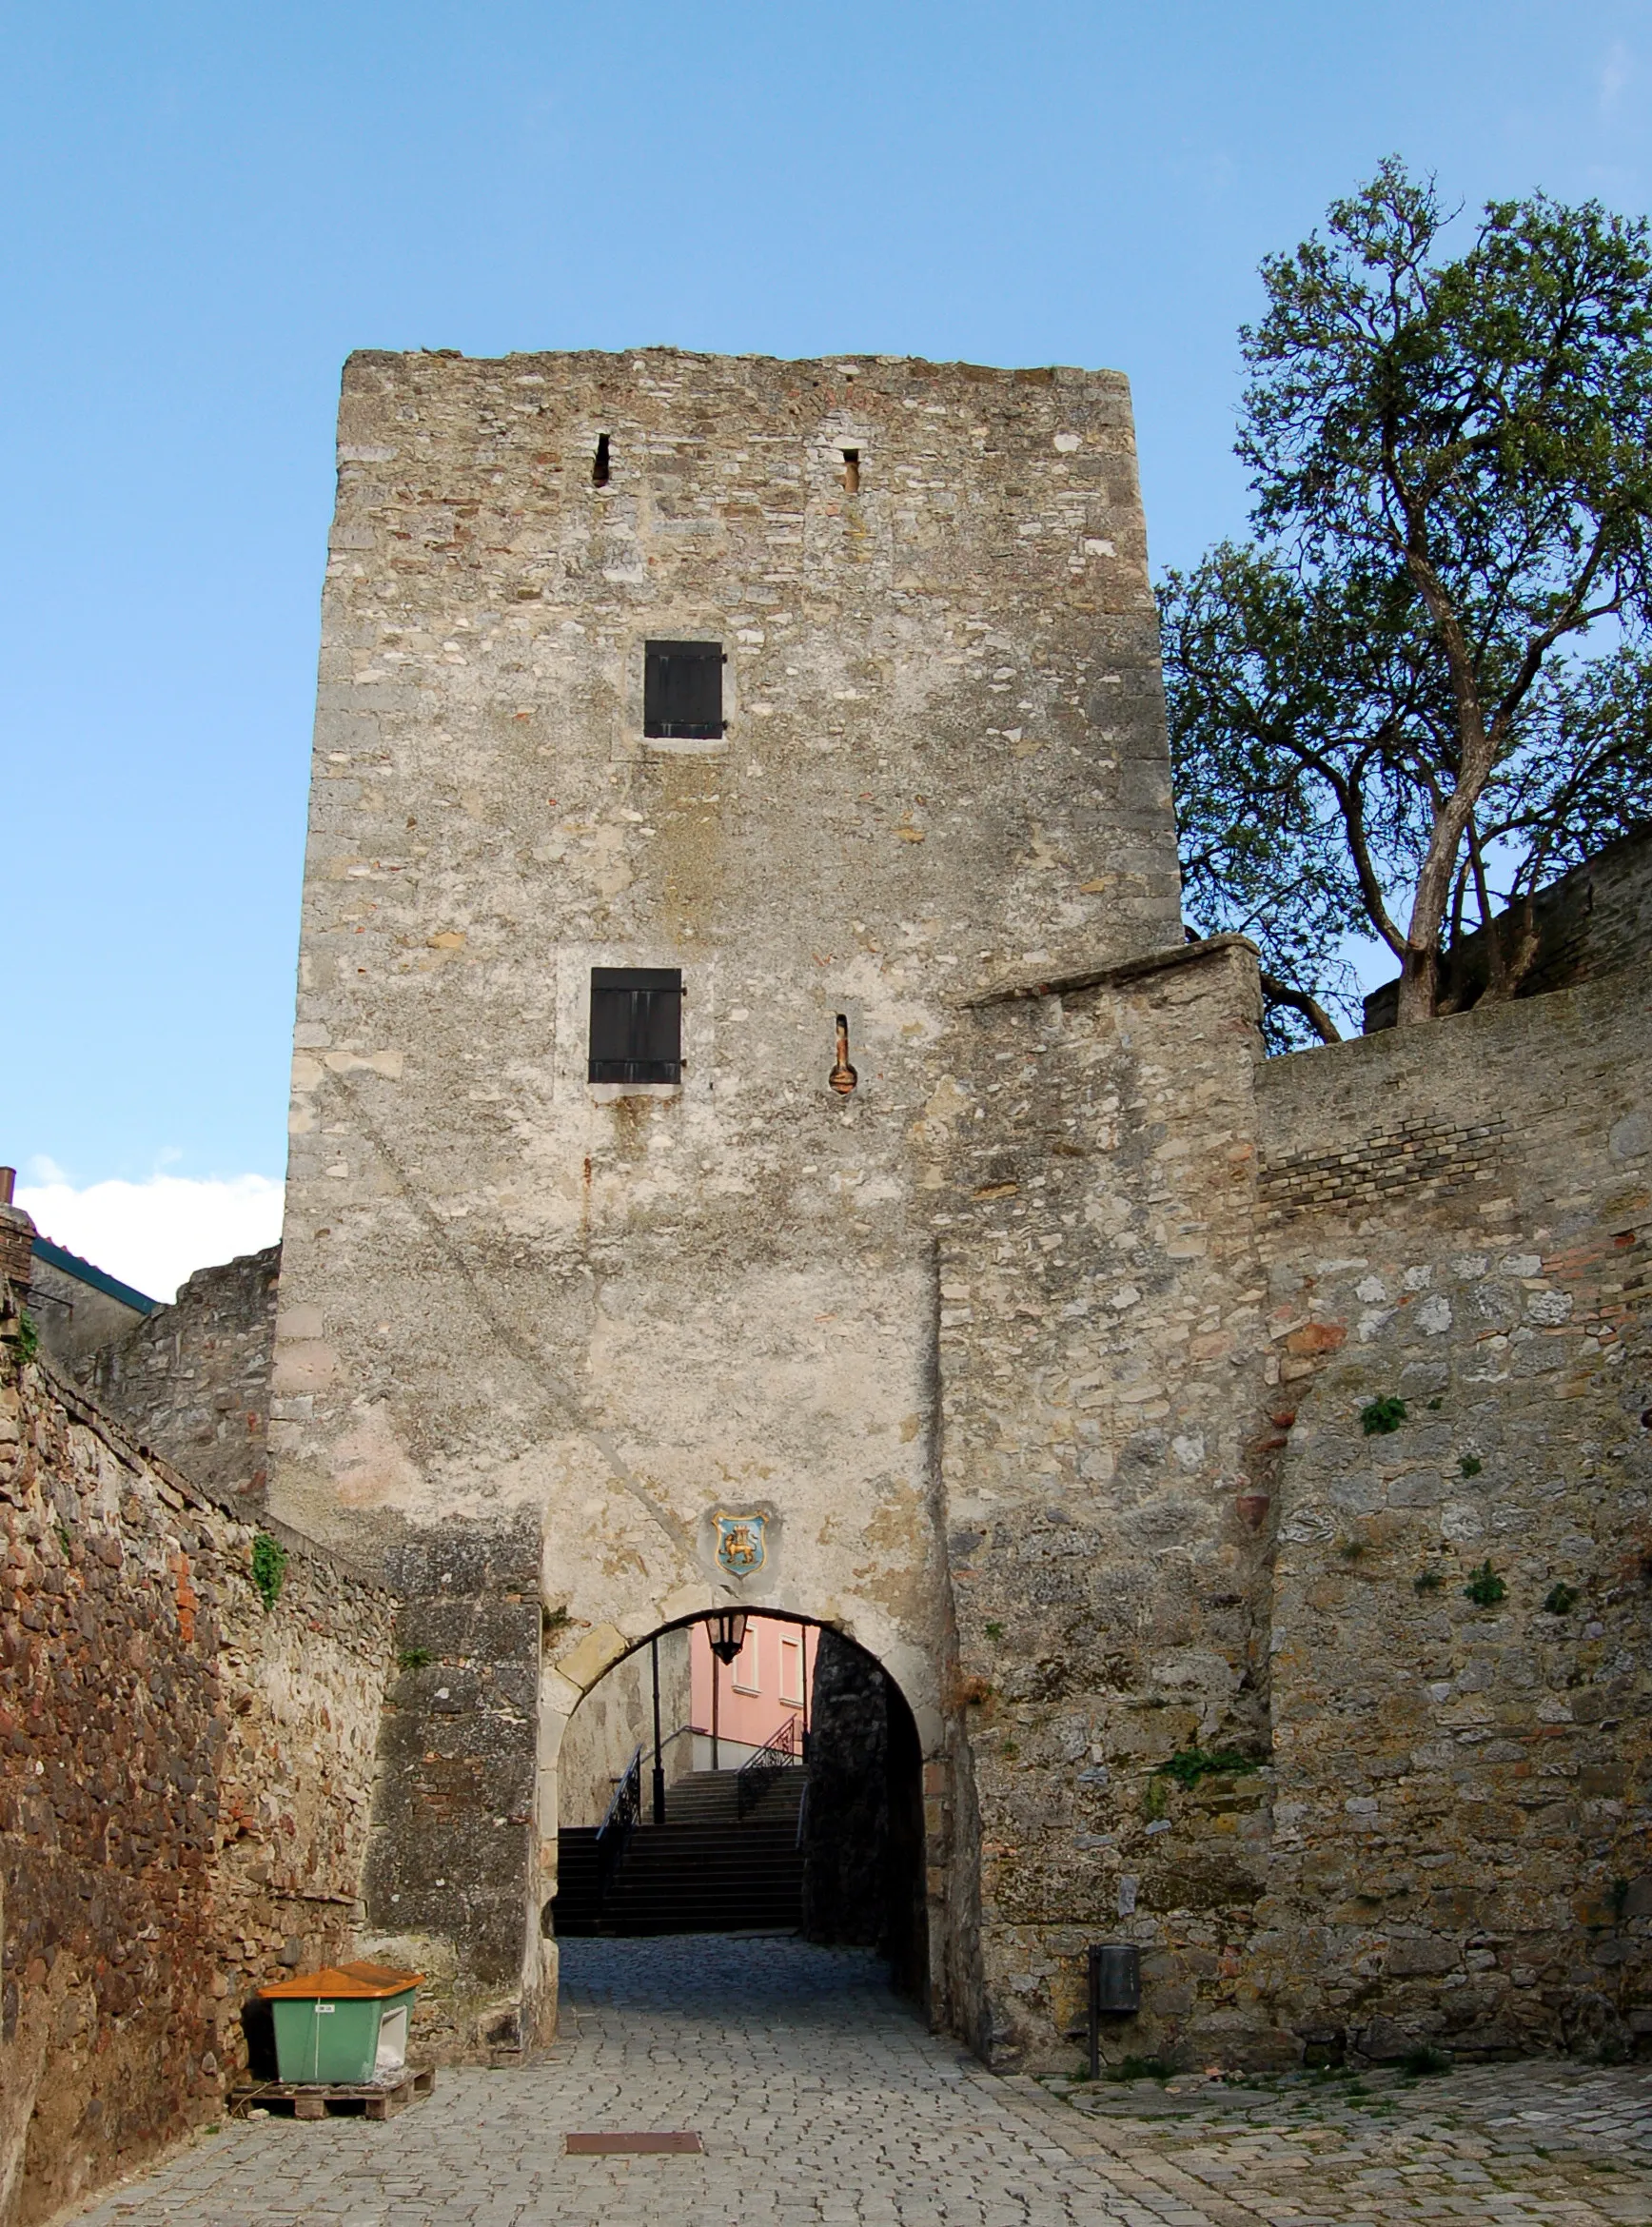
(83, 1272)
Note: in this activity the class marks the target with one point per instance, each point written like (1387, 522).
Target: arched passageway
(746, 1772)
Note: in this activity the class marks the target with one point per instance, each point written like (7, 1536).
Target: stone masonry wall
(192, 1380)
(1420, 1653)
(846, 1886)
(1463, 1821)
(615, 1717)
(613, 1311)
(185, 1786)
(449, 1883)
(1106, 1450)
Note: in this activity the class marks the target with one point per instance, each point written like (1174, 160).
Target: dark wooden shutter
(682, 690)
(636, 1025)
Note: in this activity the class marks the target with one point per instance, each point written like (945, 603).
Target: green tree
(1433, 669)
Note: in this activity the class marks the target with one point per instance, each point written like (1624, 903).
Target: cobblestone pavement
(1534, 2141)
(819, 2096)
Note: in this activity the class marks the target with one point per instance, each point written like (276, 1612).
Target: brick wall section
(185, 1784)
(192, 1381)
(1425, 1154)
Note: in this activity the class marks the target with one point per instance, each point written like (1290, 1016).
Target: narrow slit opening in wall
(600, 463)
(851, 470)
(843, 1078)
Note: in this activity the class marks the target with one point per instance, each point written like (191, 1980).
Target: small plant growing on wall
(1428, 1581)
(1351, 1550)
(269, 1560)
(1561, 1599)
(414, 1659)
(1484, 1588)
(1190, 1764)
(1378, 1417)
(1471, 1464)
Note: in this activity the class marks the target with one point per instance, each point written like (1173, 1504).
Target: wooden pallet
(312, 2099)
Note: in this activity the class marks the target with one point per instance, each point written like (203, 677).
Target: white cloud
(155, 1233)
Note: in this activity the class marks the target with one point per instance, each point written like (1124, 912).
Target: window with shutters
(636, 1025)
(682, 690)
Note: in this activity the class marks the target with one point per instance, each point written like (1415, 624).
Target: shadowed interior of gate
(815, 1828)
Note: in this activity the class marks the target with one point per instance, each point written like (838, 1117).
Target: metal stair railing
(618, 1823)
(781, 1752)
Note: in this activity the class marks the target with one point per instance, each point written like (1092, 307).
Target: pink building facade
(740, 1705)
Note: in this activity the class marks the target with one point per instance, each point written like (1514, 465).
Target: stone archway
(886, 1827)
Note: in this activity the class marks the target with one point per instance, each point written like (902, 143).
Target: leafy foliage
(1484, 1588)
(269, 1560)
(1190, 1764)
(1434, 666)
(1378, 1417)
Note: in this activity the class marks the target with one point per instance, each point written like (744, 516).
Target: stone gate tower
(673, 710)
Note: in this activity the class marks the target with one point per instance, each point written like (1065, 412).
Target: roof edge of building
(84, 1272)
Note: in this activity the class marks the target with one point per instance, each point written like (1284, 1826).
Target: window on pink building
(746, 1678)
(792, 1670)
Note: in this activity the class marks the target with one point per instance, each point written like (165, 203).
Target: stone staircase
(706, 1870)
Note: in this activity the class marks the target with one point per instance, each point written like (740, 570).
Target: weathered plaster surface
(503, 1292)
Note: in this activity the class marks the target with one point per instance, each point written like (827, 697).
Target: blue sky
(207, 206)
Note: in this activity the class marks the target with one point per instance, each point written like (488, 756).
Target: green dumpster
(343, 2026)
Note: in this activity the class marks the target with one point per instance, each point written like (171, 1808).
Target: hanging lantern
(728, 1635)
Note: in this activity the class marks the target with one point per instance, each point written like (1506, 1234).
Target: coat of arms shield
(740, 1546)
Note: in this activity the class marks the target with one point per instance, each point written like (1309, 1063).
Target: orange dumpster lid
(346, 1983)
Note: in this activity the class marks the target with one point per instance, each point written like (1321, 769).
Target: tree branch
(1278, 992)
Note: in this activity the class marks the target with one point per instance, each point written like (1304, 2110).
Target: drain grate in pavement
(631, 2146)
